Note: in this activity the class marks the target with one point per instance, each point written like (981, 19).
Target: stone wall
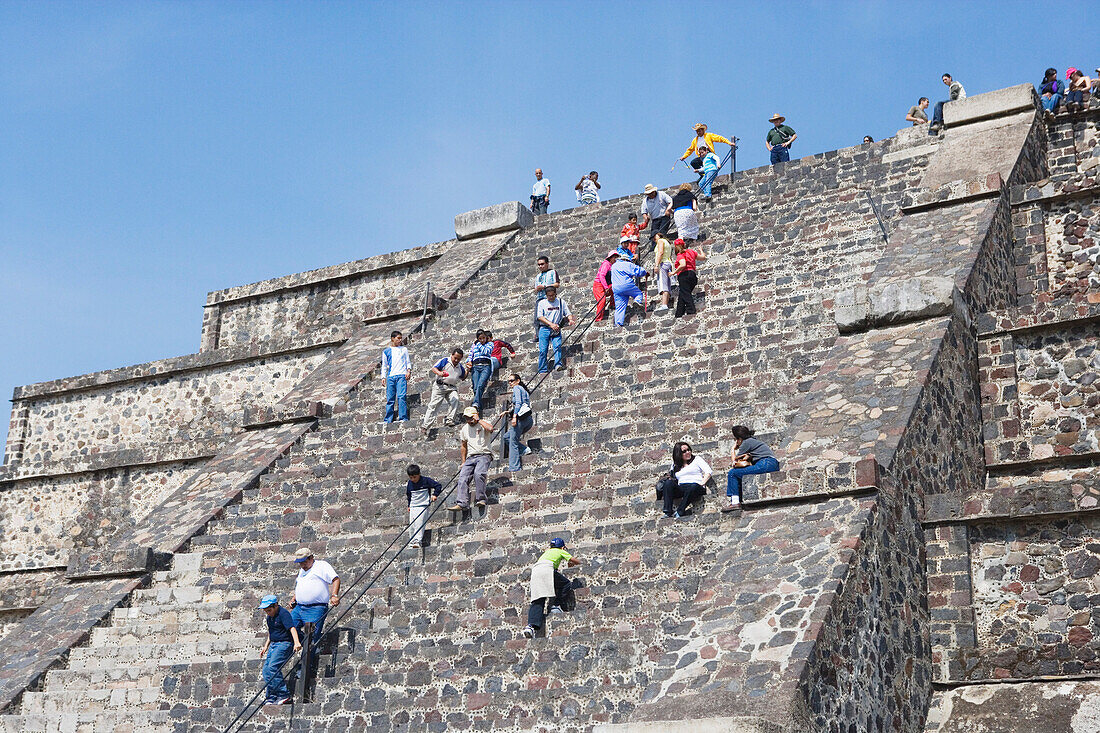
(329, 303)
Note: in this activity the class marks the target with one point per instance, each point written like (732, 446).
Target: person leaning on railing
(282, 640)
(315, 590)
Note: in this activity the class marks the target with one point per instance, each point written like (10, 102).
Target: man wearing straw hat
(779, 139)
(702, 137)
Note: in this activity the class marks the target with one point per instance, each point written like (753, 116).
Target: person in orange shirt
(628, 237)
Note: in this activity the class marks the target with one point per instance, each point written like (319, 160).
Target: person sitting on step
(549, 588)
(282, 640)
(420, 492)
(749, 456)
(476, 454)
(691, 473)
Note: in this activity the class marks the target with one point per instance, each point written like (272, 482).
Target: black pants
(536, 614)
(539, 205)
(687, 493)
(685, 301)
(697, 164)
(659, 225)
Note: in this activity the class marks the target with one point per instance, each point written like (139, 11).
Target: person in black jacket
(420, 492)
(1051, 89)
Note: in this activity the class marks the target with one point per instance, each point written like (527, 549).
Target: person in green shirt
(779, 139)
(548, 586)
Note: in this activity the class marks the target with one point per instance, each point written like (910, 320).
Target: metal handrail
(301, 664)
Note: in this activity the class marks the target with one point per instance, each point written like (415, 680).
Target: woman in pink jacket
(601, 286)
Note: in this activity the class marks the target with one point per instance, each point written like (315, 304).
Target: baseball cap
(303, 554)
(558, 542)
(269, 600)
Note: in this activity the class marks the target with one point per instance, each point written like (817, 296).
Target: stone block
(110, 563)
(897, 301)
(504, 217)
(991, 104)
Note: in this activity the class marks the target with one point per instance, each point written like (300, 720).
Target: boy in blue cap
(547, 584)
(282, 638)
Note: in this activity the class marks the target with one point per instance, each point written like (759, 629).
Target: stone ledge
(110, 563)
(164, 453)
(505, 217)
(264, 416)
(174, 366)
(990, 104)
(1042, 316)
(377, 264)
(955, 192)
(739, 724)
(1080, 184)
(894, 302)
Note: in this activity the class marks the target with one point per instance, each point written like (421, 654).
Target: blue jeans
(780, 154)
(733, 478)
(548, 338)
(1052, 103)
(479, 377)
(397, 389)
(513, 436)
(314, 614)
(708, 179)
(622, 297)
(937, 116)
(273, 674)
(1077, 97)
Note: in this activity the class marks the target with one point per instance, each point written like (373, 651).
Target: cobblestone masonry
(822, 599)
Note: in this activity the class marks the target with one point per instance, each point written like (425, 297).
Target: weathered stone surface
(115, 561)
(997, 103)
(1052, 707)
(898, 301)
(504, 217)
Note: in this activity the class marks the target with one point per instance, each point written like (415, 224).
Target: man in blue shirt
(282, 639)
(420, 492)
(624, 286)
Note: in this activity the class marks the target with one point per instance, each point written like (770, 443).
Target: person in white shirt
(476, 455)
(396, 371)
(551, 313)
(588, 189)
(691, 473)
(316, 589)
(656, 211)
(540, 193)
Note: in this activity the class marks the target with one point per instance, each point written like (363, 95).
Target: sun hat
(268, 600)
(777, 118)
(612, 253)
(1069, 71)
(303, 554)
(650, 188)
(558, 542)
(470, 411)
(700, 126)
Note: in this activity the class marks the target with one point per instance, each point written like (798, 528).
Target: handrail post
(302, 690)
(424, 317)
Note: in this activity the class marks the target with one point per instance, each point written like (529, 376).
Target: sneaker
(285, 701)
(414, 545)
(661, 307)
(481, 504)
(529, 631)
(457, 508)
(526, 450)
(733, 506)
(556, 609)
(560, 368)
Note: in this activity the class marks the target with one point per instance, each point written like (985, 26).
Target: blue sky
(154, 151)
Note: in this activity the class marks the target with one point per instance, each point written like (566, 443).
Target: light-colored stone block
(493, 219)
(991, 104)
(893, 302)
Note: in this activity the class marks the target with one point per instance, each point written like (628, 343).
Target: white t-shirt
(312, 585)
(694, 472)
(477, 440)
(541, 187)
(554, 312)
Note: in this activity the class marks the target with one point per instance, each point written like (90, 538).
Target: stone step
(164, 654)
(167, 594)
(87, 722)
(106, 678)
(169, 613)
(92, 700)
(146, 632)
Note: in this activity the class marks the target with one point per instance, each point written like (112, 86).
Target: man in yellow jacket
(703, 137)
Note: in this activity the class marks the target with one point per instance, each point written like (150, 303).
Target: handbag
(523, 409)
(666, 483)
